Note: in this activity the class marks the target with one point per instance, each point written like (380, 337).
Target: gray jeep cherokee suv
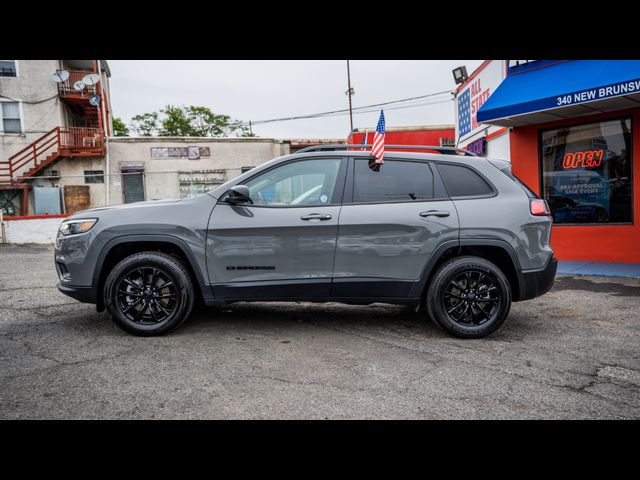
(449, 231)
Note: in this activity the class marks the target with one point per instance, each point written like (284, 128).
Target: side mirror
(239, 194)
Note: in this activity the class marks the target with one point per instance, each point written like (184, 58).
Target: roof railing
(439, 149)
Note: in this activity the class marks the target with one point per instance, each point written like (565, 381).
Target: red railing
(50, 146)
(66, 87)
(81, 139)
(30, 156)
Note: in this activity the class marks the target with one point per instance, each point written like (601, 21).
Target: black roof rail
(443, 150)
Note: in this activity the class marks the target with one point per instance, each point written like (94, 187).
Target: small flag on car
(377, 149)
(364, 139)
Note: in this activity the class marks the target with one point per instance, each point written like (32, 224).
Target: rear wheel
(469, 297)
(149, 293)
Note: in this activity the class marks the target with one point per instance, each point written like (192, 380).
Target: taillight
(539, 207)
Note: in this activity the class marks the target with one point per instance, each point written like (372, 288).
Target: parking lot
(572, 353)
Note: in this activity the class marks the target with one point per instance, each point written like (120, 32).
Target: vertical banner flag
(377, 149)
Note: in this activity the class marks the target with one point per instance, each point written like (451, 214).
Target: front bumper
(82, 294)
(538, 282)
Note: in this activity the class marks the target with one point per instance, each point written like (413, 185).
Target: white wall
(37, 230)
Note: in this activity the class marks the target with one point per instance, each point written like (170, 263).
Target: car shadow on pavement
(283, 314)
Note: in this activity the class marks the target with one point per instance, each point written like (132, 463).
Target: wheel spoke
(169, 295)
(153, 314)
(131, 306)
(139, 314)
(455, 308)
(449, 294)
(132, 284)
(166, 312)
(130, 294)
(487, 314)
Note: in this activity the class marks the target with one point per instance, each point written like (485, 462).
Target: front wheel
(469, 297)
(149, 293)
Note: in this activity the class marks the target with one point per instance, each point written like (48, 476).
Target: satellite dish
(91, 79)
(78, 86)
(60, 76)
(94, 100)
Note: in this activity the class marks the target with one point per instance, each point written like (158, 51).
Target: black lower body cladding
(82, 294)
(538, 282)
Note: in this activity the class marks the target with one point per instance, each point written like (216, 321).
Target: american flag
(364, 139)
(464, 113)
(377, 149)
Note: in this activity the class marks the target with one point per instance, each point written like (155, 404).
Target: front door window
(306, 183)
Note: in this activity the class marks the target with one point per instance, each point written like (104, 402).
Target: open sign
(587, 158)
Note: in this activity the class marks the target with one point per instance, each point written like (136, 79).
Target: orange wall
(602, 243)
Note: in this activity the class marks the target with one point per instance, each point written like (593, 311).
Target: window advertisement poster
(586, 172)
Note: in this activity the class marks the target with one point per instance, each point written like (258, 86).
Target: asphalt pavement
(573, 353)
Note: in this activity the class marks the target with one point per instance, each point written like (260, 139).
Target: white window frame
(20, 111)
(15, 62)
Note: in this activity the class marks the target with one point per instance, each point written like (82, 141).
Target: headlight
(72, 227)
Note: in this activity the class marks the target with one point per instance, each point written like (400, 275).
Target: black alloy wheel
(469, 297)
(149, 293)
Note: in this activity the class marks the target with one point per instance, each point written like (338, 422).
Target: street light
(460, 74)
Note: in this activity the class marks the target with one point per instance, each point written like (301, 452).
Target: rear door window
(463, 182)
(396, 181)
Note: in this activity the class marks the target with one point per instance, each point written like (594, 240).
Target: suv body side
(187, 225)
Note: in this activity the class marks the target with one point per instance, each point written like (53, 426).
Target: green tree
(145, 124)
(189, 121)
(120, 128)
(175, 123)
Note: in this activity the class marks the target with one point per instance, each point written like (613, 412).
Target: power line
(321, 114)
(356, 110)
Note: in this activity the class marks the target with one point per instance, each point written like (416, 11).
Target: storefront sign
(478, 146)
(588, 158)
(599, 93)
(191, 152)
(474, 94)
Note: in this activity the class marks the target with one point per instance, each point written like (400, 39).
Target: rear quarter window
(463, 182)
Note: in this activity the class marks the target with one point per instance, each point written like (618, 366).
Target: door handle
(435, 213)
(316, 217)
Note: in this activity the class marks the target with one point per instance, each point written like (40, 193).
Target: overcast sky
(266, 89)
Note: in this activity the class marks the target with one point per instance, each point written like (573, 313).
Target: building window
(10, 116)
(94, 176)
(586, 172)
(8, 68)
(245, 169)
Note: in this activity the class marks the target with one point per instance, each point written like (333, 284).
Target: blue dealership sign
(561, 84)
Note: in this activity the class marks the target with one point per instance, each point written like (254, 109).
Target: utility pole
(349, 92)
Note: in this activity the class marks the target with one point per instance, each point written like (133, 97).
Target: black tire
(149, 293)
(469, 297)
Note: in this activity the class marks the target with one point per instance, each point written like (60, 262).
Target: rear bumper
(538, 282)
(82, 294)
